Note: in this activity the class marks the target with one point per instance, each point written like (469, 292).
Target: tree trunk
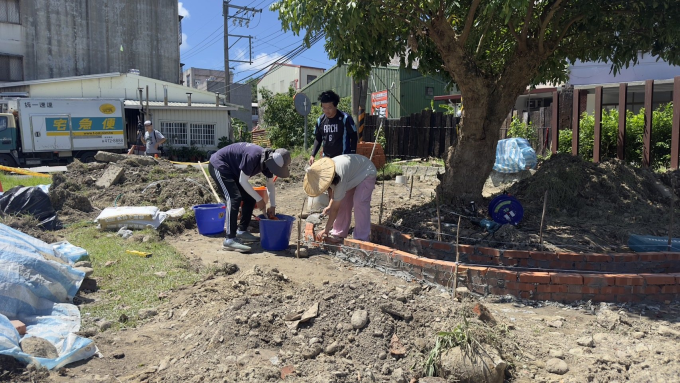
(470, 162)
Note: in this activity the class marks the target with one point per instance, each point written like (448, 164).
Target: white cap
(147, 122)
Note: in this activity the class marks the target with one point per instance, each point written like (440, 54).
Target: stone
(477, 366)
(396, 347)
(231, 359)
(641, 348)
(431, 379)
(557, 354)
(105, 325)
(586, 341)
(87, 270)
(359, 319)
(312, 351)
(314, 218)
(118, 355)
(287, 370)
(19, 326)
(83, 264)
(668, 332)
(385, 370)
(398, 376)
(382, 355)
(397, 310)
(462, 293)
(578, 351)
(243, 359)
(302, 253)
(146, 313)
(314, 341)
(38, 347)
(333, 348)
(555, 324)
(110, 177)
(483, 314)
(638, 335)
(161, 274)
(608, 319)
(310, 313)
(556, 366)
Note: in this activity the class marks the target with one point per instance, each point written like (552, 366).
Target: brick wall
(624, 277)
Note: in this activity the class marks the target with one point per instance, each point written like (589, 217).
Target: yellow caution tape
(23, 171)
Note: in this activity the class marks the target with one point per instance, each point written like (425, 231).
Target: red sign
(379, 103)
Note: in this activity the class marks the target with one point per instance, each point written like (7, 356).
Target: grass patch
(10, 181)
(459, 336)
(389, 171)
(129, 284)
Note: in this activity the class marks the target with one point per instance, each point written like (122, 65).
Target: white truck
(37, 131)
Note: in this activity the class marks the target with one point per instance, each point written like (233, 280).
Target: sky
(203, 44)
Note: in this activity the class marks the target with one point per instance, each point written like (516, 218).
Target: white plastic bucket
(316, 204)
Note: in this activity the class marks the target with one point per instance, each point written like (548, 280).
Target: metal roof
(134, 104)
(59, 79)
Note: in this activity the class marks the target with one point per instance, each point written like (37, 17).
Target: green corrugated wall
(409, 88)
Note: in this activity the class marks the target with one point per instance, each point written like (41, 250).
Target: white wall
(585, 73)
(308, 71)
(219, 118)
(11, 41)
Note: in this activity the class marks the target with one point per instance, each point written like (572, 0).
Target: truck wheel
(87, 157)
(7, 160)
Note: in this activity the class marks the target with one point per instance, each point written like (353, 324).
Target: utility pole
(225, 14)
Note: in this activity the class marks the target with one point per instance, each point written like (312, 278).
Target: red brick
(673, 256)
(670, 289)
(483, 259)
(570, 257)
(352, 243)
(649, 290)
(598, 280)
(580, 289)
(498, 290)
(422, 243)
(542, 296)
(508, 275)
(629, 280)
(466, 249)
(384, 249)
(566, 297)
(520, 286)
(489, 251)
(525, 294)
(625, 257)
(516, 254)
(551, 288)
(478, 270)
(510, 261)
(542, 255)
(562, 265)
(566, 279)
(652, 257)
(604, 298)
(19, 326)
(523, 262)
(534, 277)
(628, 298)
(590, 266)
(658, 279)
(598, 257)
(614, 290)
(442, 246)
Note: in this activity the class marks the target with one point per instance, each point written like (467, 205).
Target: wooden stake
(439, 219)
(670, 226)
(545, 204)
(411, 191)
(297, 253)
(382, 199)
(217, 198)
(455, 273)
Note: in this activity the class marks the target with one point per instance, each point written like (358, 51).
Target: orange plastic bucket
(262, 191)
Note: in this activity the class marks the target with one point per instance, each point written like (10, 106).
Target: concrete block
(19, 326)
(111, 175)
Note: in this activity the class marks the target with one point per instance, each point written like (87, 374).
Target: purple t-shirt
(240, 157)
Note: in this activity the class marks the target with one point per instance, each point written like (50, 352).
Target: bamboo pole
(670, 226)
(297, 253)
(411, 190)
(439, 219)
(545, 205)
(455, 273)
(382, 199)
(217, 198)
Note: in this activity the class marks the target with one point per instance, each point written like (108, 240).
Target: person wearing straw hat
(231, 167)
(351, 177)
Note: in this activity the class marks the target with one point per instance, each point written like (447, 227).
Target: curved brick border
(557, 285)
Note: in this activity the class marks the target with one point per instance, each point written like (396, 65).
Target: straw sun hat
(319, 177)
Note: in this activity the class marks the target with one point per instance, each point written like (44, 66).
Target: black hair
(336, 180)
(329, 96)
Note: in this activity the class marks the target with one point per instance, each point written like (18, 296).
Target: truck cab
(8, 139)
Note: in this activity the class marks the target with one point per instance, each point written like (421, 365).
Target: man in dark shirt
(334, 128)
(231, 167)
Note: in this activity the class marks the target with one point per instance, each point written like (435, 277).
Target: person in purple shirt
(231, 167)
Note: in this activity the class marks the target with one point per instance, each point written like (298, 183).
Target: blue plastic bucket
(275, 234)
(210, 218)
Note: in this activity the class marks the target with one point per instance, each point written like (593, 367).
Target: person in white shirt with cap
(153, 139)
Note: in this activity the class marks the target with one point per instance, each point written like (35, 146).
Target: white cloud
(260, 61)
(184, 45)
(183, 11)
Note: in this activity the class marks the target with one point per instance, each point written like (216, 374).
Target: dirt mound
(244, 325)
(75, 195)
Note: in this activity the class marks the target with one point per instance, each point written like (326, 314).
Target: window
(203, 134)
(429, 91)
(283, 89)
(175, 132)
(11, 67)
(9, 11)
(310, 78)
(3, 123)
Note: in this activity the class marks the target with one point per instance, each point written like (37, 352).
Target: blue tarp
(39, 292)
(514, 155)
(650, 243)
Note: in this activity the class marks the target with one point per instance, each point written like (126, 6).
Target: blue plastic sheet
(514, 155)
(39, 293)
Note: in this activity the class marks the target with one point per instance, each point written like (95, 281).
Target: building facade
(44, 39)
(283, 76)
